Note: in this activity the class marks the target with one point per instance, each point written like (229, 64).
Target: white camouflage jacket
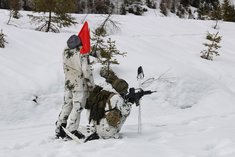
(76, 69)
(104, 129)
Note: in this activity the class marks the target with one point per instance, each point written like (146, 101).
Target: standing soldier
(78, 81)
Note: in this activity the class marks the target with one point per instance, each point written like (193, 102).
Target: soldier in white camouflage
(78, 82)
(108, 109)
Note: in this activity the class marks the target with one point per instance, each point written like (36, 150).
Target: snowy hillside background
(191, 115)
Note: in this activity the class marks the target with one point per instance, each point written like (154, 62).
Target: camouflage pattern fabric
(77, 71)
(104, 129)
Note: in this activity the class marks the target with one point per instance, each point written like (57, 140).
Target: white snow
(191, 115)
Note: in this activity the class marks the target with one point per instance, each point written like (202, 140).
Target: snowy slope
(191, 115)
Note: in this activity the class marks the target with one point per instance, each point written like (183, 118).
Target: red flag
(84, 35)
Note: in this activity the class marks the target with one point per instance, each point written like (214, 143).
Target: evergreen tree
(212, 46)
(226, 8)
(56, 14)
(14, 9)
(185, 3)
(27, 5)
(173, 6)
(2, 40)
(123, 9)
(216, 15)
(195, 3)
(99, 34)
(106, 50)
(151, 4)
(181, 11)
(228, 11)
(4, 4)
(97, 39)
(109, 53)
(103, 7)
(163, 8)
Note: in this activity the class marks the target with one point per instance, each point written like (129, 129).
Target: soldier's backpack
(113, 116)
(96, 103)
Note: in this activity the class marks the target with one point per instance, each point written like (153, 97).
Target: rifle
(134, 97)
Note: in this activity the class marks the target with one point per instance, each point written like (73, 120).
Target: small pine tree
(57, 14)
(98, 40)
(212, 47)
(101, 32)
(2, 40)
(108, 55)
(107, 50)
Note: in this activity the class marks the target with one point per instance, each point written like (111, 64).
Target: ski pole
(140, 76)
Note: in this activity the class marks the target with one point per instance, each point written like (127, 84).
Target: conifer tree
(216, 15)
(226, 8)
(97, 39)
(109, 53)
(107, 50)
(212, 46)
(185, 3)
(14, 9)
(151, 4)
(163, 8)
(123, 9)
(56, 14)
(228, 11)
(27, 5)
(4, 4)
(2, 40)
(101, 32)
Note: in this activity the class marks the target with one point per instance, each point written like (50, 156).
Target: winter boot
(93, 136)
(60, 131)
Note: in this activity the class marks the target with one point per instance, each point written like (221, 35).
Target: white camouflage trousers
(74, 103)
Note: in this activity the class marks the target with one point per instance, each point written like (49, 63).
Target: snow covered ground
(191, 115)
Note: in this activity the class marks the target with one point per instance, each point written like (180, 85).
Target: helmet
(74, 41)
(120, 86)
